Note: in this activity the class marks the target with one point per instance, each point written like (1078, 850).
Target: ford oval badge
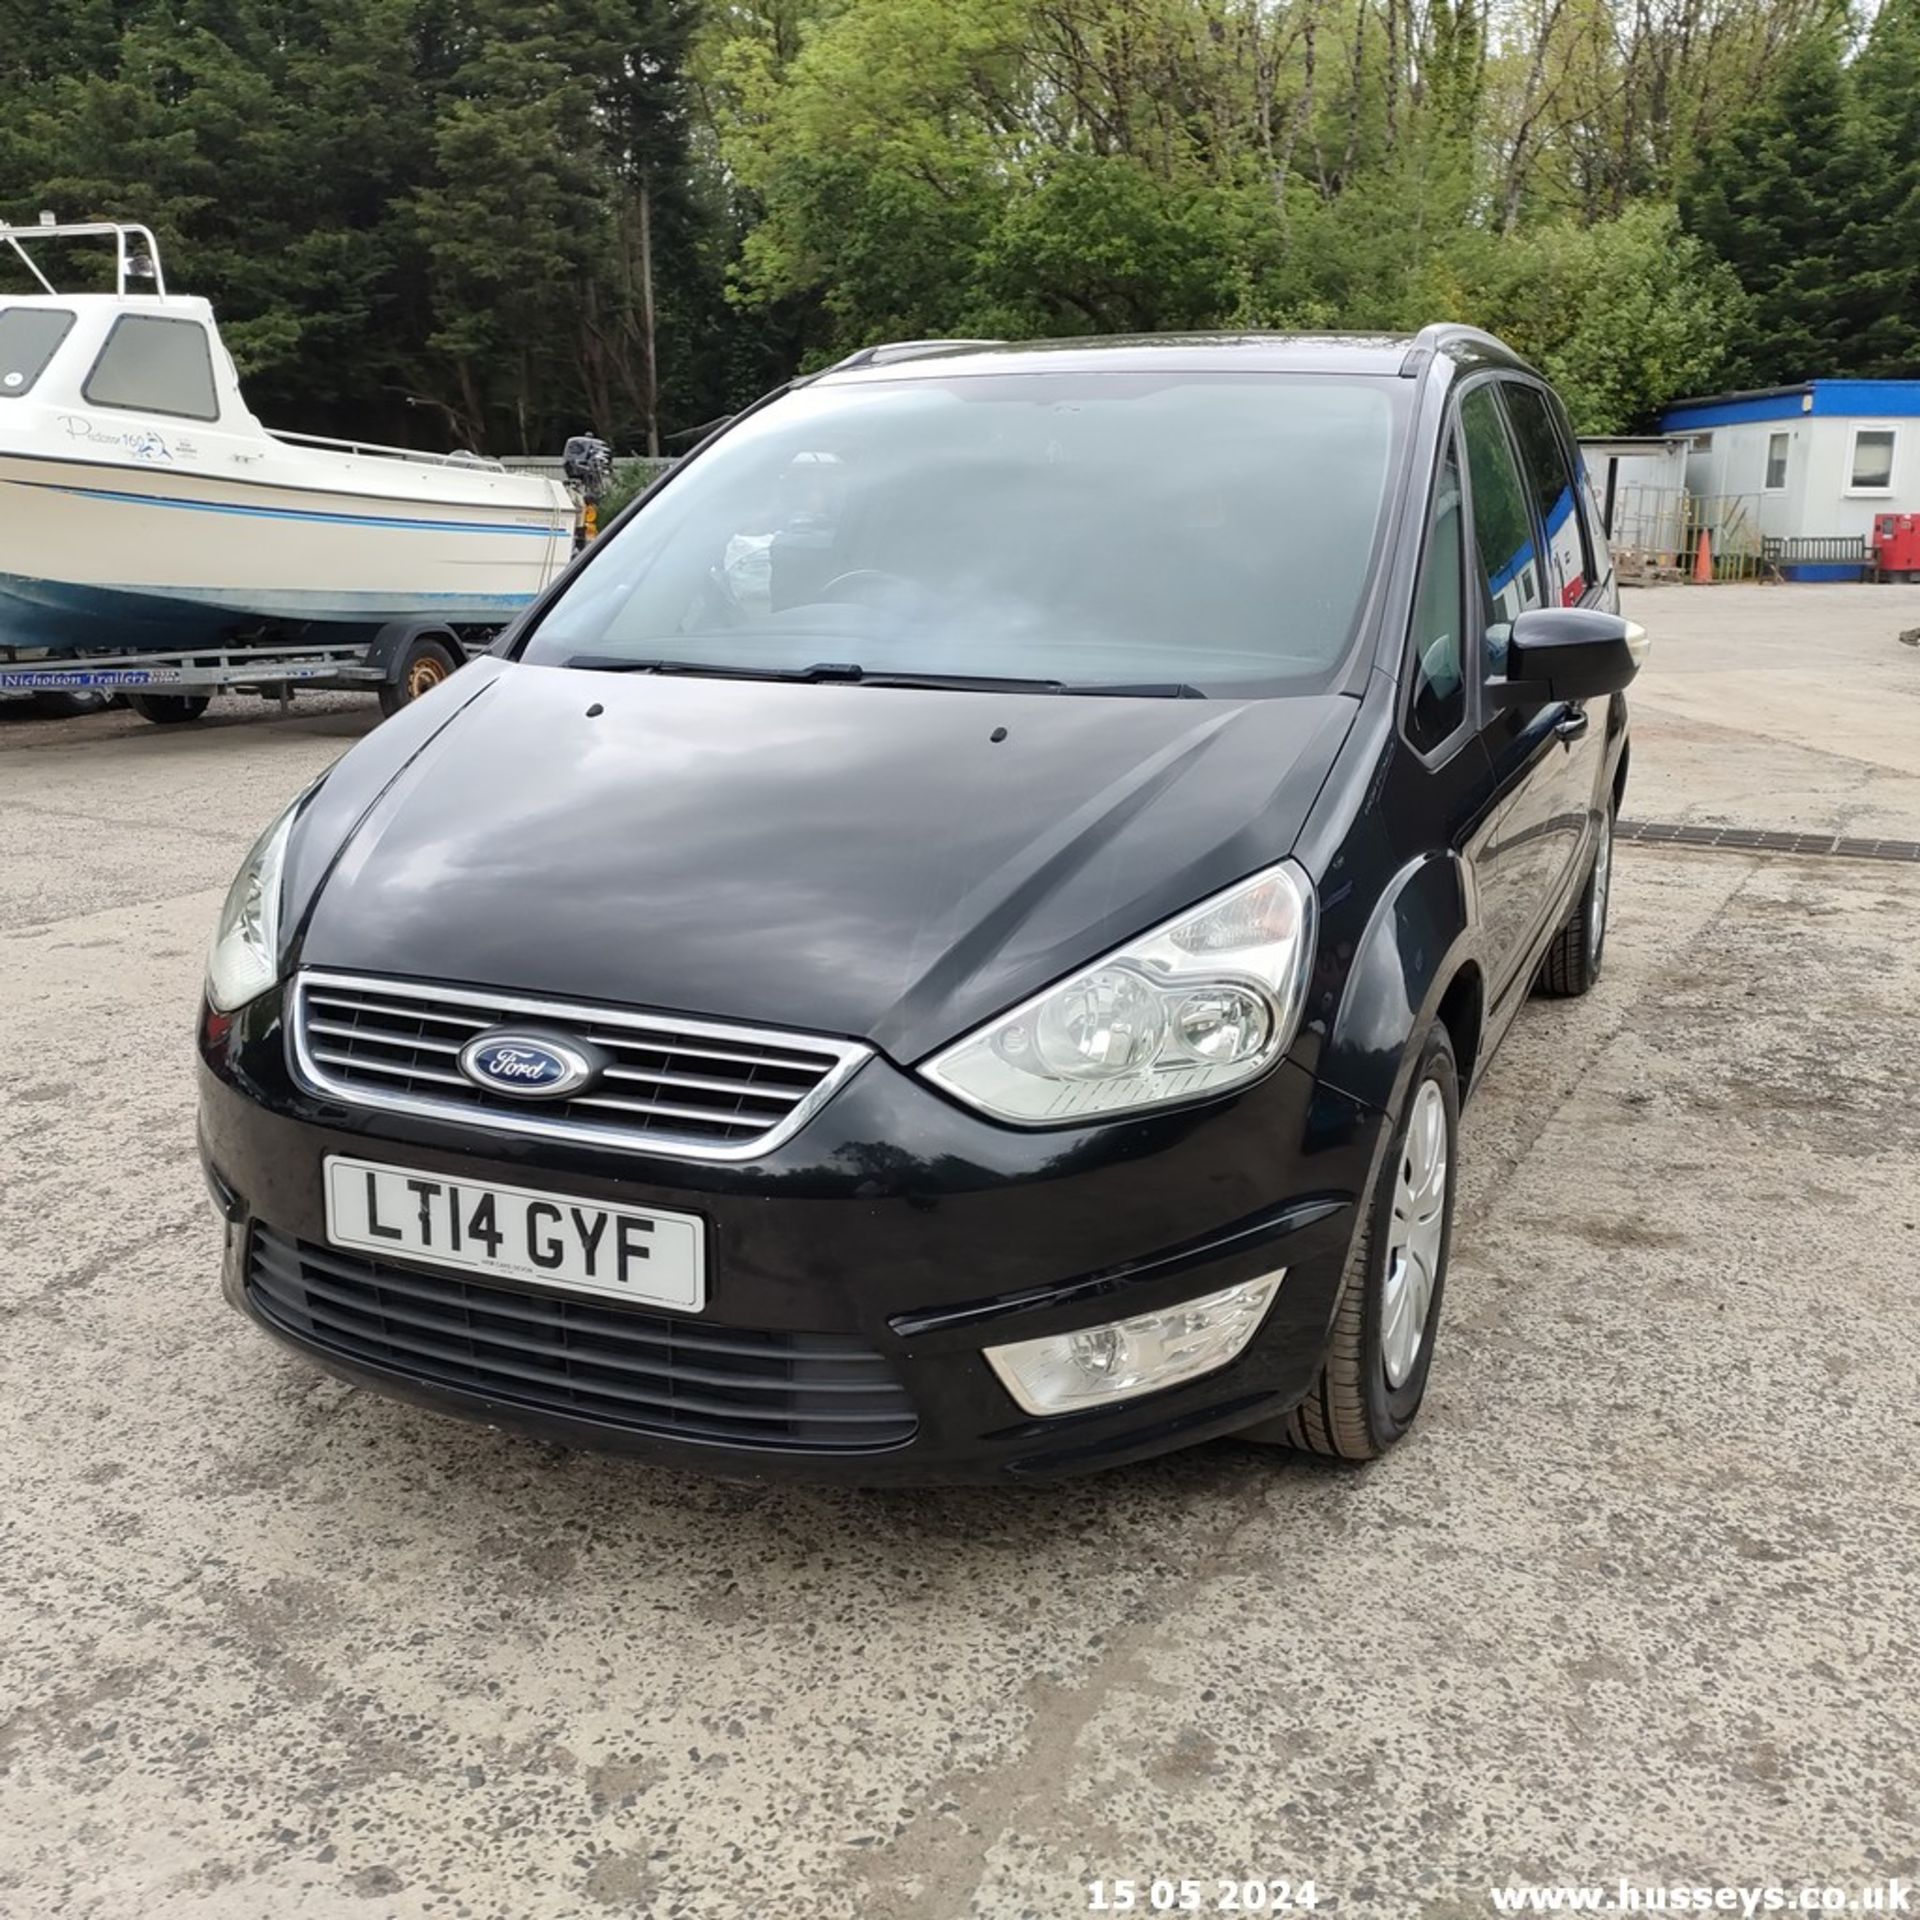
(527, 1066)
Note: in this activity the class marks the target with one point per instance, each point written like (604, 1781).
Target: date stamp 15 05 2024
(1209, 1893)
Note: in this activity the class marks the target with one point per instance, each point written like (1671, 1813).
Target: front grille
(693, 1089)
(650, 1373)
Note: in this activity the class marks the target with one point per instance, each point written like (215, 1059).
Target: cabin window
(151, 365)
(1777, 444)
(1503, 531)
(29, 338)
(1438, 702)
(1872, 467)
(1555, 489)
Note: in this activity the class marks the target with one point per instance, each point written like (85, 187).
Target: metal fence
(1656, 533)
(553, 467)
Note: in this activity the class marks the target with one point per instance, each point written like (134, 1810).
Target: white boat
(143, 505)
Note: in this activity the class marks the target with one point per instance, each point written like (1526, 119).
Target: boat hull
(104, 556)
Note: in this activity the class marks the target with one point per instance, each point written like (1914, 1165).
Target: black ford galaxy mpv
(951, 943)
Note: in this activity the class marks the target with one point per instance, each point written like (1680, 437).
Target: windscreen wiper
(707, 669)
(834, 672)
(1008, 683)
(1147, 690)
(851, 673)
(955, 682)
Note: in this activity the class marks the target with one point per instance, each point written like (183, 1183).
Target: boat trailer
(402, 661)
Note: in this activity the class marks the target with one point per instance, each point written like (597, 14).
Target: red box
(1896, 542)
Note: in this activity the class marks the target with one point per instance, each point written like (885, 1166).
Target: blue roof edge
(1880, 399)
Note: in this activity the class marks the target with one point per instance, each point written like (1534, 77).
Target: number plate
(636, 1254)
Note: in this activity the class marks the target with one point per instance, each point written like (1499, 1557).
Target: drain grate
(1668, 833)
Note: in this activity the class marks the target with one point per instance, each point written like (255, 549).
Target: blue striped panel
(309, 515)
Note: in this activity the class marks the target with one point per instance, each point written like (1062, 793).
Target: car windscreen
(1211, 531)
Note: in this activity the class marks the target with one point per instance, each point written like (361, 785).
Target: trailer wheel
(169, 709)
(421, 668)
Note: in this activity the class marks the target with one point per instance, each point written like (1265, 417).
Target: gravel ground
(1639, 1599)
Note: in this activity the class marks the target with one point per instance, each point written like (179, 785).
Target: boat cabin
(141, 500)
(160, 357)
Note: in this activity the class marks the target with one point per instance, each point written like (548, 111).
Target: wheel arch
(1414, 963)
(388, 648)
(1463, 1012)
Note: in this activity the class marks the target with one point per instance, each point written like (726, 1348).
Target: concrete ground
(1640, 1598)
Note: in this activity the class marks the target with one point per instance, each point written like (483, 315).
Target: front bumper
(894, 1218)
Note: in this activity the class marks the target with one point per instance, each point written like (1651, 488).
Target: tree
(1793, 196)
(497, 222)
(1887, 76)
(1622, 316)
(474, 221)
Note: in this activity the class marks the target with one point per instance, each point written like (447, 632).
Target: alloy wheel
(1415, 1233)
(1602, 880)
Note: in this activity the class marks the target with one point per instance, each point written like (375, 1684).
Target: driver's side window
(1438, 700)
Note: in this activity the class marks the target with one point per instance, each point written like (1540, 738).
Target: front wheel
(169, 709)
(1573, 959)
(1374, 1375)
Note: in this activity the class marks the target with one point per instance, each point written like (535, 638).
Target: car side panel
(1520, 862)
(1519, 865)
(1573, 775)
(1387, 953)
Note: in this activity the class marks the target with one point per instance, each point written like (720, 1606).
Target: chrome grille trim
(634, 1107)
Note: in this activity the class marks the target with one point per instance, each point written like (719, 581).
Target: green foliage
(498, 222)
(1622, 315)
(418, 221)
(1100, 246)
(630, 477)
(1810, 195)
(1887, 78)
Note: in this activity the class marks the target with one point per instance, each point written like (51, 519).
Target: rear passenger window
(28, 337)
(1555, 497)
(151, 365)
(1438, 702)
(1509, 563)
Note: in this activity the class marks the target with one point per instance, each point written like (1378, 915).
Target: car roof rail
(1436, 333)
(885, 352)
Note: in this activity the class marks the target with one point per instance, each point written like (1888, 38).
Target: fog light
(1096, 1366)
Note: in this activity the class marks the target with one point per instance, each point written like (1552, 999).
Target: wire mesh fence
(1656, 533)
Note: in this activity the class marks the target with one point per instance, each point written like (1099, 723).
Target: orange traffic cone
(1703, 561)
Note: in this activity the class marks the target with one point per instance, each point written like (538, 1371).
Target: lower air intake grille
(650, 1373)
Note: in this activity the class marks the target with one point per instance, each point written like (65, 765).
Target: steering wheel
(866, 586)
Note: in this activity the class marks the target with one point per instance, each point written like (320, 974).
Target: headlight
(245, 958)
(1197, 1005)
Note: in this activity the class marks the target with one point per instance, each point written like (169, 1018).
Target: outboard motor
(587, 461)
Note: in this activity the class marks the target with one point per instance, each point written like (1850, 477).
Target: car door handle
(1571, 726)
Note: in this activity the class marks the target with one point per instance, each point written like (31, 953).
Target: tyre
(422, 667)
(1573, 959)
(1374, 1375)
(169, 709)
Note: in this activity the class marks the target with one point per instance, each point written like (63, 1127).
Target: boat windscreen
(29, 338)
(155, 365)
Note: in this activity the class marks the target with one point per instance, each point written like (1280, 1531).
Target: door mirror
(1568, 653)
